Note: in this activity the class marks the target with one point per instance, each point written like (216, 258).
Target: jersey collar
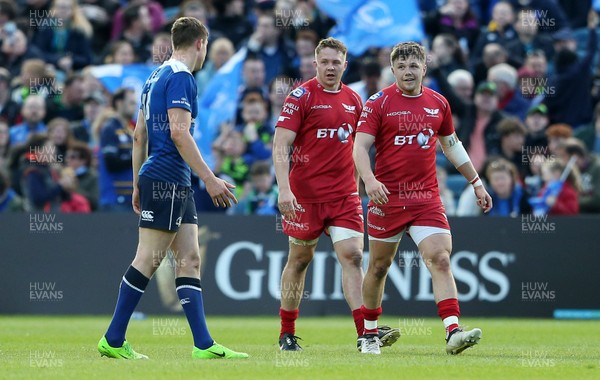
(319, 85)
(398, 90)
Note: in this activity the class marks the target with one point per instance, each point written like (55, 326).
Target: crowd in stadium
(522, 79)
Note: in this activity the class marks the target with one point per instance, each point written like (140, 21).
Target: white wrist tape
(454, 150)
(476, 182)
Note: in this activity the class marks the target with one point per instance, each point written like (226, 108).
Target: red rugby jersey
(406, 129)
(325, 125)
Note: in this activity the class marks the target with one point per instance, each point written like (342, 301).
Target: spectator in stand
(493, 54)
(370, 74)
(590, 134)
(230, 21)
(93, 105)
(34, 79)
(197, 9)
(529, 39)
(79, 159)
(219, 53)
(231, 158)
(462, 85)
(59, 133)
(307, 68)
(67, 45)
(4, 144)
(279, 88)
(100, 15)
(15, 50)
(120, 53)
(478, 131)
(155, 17)
(268, 43)
(536, 123)
(533, 180)
(557, 134)
(136, 31)
(557, 198)
(8, 12)
(537, 63)
(45, 187)
(589, 167)
(305, 44)
(115, 136)
(257, 132)
(454, 17)
(551, 16)
(509, 197)
(68, 104)
(253, 78)
(572, 101)
(161, 49)
(510, 100)
(447, 53)
(33, 113)
(260, 196)
(500, 29)
(458, 90)
(512, 139)
(9, 109)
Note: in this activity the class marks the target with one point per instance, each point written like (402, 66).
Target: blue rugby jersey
(170, 86)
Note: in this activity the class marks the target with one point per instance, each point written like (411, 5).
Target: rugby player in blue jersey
(164, 154)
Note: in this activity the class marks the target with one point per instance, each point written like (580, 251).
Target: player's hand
(484, 201)
(219, 192)
(377, 192)
(287, 204)
(135, 200)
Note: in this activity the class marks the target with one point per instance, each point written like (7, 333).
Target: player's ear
(345, 65)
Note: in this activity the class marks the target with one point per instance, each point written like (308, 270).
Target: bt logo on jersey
(423, 139)
(342, 133)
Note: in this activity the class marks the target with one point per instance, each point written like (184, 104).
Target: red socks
(370, 316)
(359, 321)
(449, 311)
(288, 321)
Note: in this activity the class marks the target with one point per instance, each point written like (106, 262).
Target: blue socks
(190, 297)
(131, 290)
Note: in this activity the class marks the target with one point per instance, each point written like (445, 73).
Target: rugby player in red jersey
(315, 131)
(405, 122)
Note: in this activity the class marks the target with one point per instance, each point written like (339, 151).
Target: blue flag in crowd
(596, 5)
(362, 24)
(115, 76)
(218, 104)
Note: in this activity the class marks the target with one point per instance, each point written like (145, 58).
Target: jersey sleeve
(370, 117)
(180, 88)
(292, 112)
(447, 127)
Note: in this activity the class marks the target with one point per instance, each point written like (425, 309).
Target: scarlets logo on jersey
(432, 112)
(347, 108)
(297, 93)
(376, 96)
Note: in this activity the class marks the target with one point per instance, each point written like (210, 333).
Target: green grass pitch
(49, 347)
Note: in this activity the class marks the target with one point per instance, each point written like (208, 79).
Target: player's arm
(376, 190)
(138, 155)
(180, 121)
(282, 146)
(457, 155)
